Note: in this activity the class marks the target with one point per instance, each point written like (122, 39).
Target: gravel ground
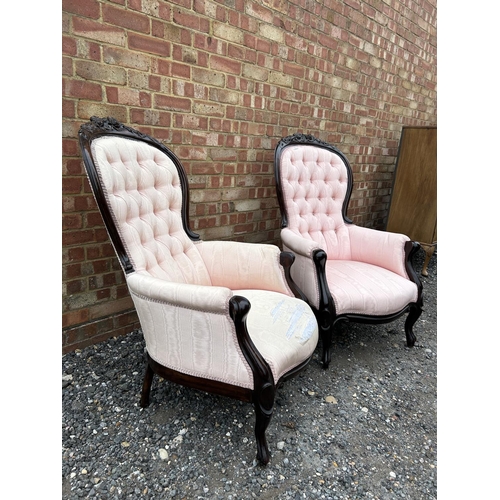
(366, 428)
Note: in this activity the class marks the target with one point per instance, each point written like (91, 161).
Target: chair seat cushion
(283, 329)
(361, 288)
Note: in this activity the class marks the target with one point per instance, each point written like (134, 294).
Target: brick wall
(220, 82)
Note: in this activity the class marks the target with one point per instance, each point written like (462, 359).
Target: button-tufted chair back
(144, 194)
(315, 184)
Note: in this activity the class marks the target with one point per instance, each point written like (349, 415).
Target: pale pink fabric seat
(361, 288)
(347, 272)
(220, 316)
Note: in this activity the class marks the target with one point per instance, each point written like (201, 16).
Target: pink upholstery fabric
(284, 329)
(300, 245)
(379, 248)
(244, 265)
(143, 190)
(187, 328)
(361, 288)
(207, 298)
(303, 269)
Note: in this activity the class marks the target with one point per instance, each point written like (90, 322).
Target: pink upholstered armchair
(346, 271)
(218, 316)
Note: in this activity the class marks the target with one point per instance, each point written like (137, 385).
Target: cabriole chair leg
(263, 404)
(413, 315)
(326, 331)
(326, 341)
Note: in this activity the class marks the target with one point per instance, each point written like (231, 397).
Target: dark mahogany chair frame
(263, 394)
(326, 315)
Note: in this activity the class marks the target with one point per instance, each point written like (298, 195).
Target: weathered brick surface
(220, 83)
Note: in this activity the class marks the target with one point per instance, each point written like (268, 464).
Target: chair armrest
(380, 248)
(308, 270)
(188, 328)
(297, 244)
(203, 298)
(237, 265)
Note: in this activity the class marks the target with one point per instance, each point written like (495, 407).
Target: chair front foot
(264, 405)
(326, 342)
(146, 385)
(413, 315)
(263, 455)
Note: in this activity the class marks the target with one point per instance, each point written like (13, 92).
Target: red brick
(101, 293)
(263, 46)
(130, 97)
(149, 45)
(71, 185)
(70, 147)
(125, 18)
(75, 317)
(94, 219)
(172, 103)
(72, 271)
(67, 66)
(69, 46)
(225, 65)
(73, 221)
(82, 89)
(77, 237)
(181, 70)
(165, 11)
(75, 286)
(89, 8)
(73, 255)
